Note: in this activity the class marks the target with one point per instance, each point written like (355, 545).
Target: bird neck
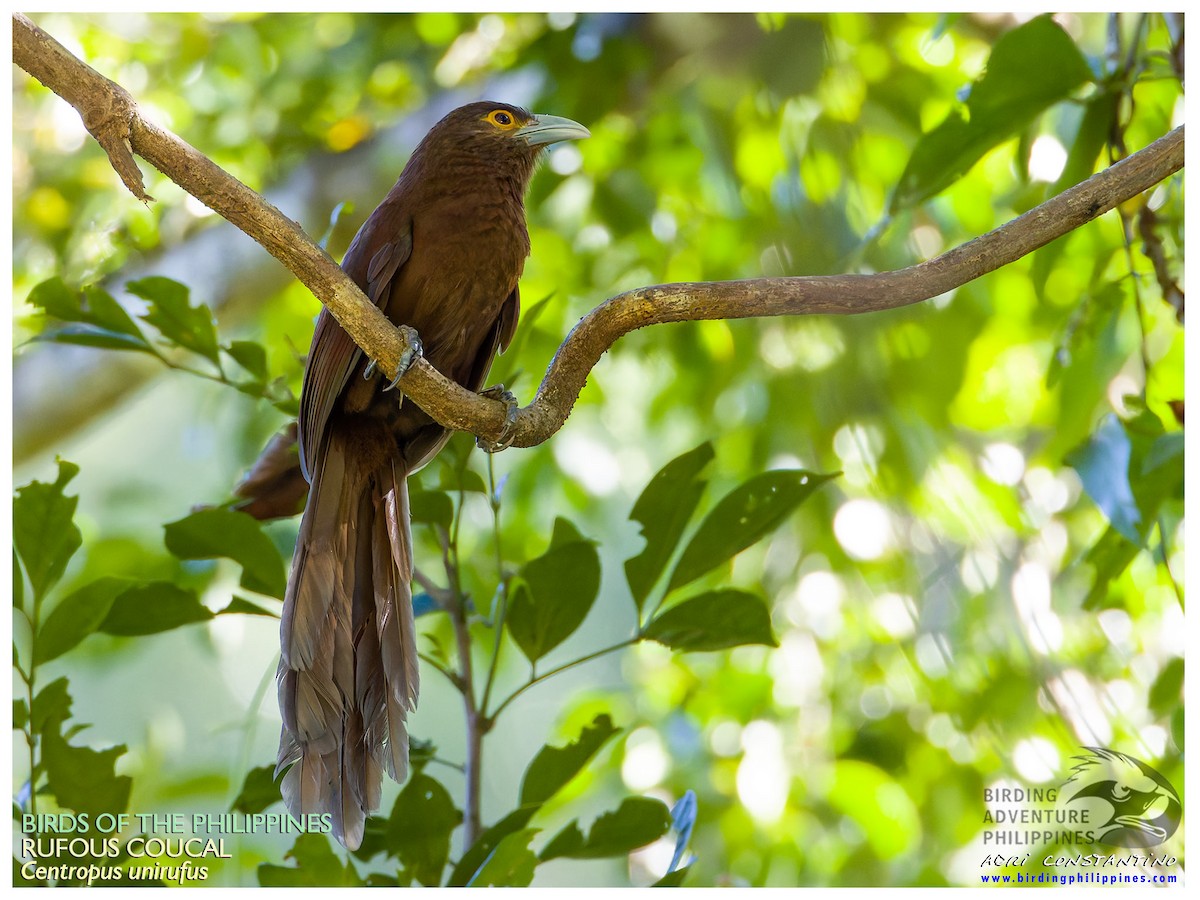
(462, 170)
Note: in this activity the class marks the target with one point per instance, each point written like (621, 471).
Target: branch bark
(112, 116)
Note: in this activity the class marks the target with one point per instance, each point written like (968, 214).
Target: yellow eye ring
(502, 119)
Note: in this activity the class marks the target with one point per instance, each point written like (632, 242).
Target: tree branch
(112, 116)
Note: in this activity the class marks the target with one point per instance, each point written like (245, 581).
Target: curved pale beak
(550, 130)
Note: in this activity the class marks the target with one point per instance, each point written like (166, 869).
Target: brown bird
(443, 254)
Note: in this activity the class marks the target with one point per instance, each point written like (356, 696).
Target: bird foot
(509, 432)
(411, 353)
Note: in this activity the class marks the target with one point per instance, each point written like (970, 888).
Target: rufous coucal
(443, 254)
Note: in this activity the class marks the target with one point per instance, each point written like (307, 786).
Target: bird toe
(509, 432)
(411, 354)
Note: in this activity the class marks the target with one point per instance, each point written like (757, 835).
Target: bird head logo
(1128, 803)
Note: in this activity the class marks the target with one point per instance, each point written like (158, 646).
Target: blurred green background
(954, 612)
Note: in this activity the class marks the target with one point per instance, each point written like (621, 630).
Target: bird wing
(497, 341)
(507, 323)
(381, 247)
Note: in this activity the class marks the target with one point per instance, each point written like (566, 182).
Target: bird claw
(509, 432)
(411, 353)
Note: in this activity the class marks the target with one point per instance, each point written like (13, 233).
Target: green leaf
(635, 823)
(56, 299)
(44, 535)
(433, 507)
(453, 472)
(566, 843)
(179, 321)
(18, 582)
(80, 778)
(511, 864)
(1030, 68)
(663, 509)
(744, 516)
(259, 790)
(374, 842)
(420, 826)
(554, 767)
(153, 607)
(553, 593)
(51, 707)
(1109, 557)
(84, 779)
(245, 607)
(211, 533)
(1156, 471)
(20, 714)
(84, 335)
(506, 368)
(674, 878)
(479, 852)
(317, 865)
(1095, 127)
(76, 616)
(377, 879)
(94, 312)
(1166, 692)
(250, 356)
(105, 312)
(714, 621)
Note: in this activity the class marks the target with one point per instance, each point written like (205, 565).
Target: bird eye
(500, 118)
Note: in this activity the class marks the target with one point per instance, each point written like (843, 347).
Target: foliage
(418, 831)
(831, 668)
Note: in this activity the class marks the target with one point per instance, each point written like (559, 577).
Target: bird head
(501, 135)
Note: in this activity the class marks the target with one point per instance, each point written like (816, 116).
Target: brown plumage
(442, 253)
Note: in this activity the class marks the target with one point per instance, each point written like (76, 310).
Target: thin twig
(538, 679)
(439, 594)
(437, 666)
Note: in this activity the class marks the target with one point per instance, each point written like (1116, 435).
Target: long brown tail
(348, 674)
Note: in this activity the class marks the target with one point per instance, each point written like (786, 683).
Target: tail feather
(395, 631)
(320, 548)
(397, 518)
(348, 674)
(307, 779)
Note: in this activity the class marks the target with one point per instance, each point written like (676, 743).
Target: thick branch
(458, 408)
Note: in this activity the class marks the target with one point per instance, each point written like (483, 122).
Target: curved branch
(456, 407)
(837, 294)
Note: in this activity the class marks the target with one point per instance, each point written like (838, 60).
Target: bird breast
(467, 258)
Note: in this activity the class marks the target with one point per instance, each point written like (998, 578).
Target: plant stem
(450, 676)
(32, 742)
(472, 769)
(501, 606)
(537, 679)
(34, 617)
